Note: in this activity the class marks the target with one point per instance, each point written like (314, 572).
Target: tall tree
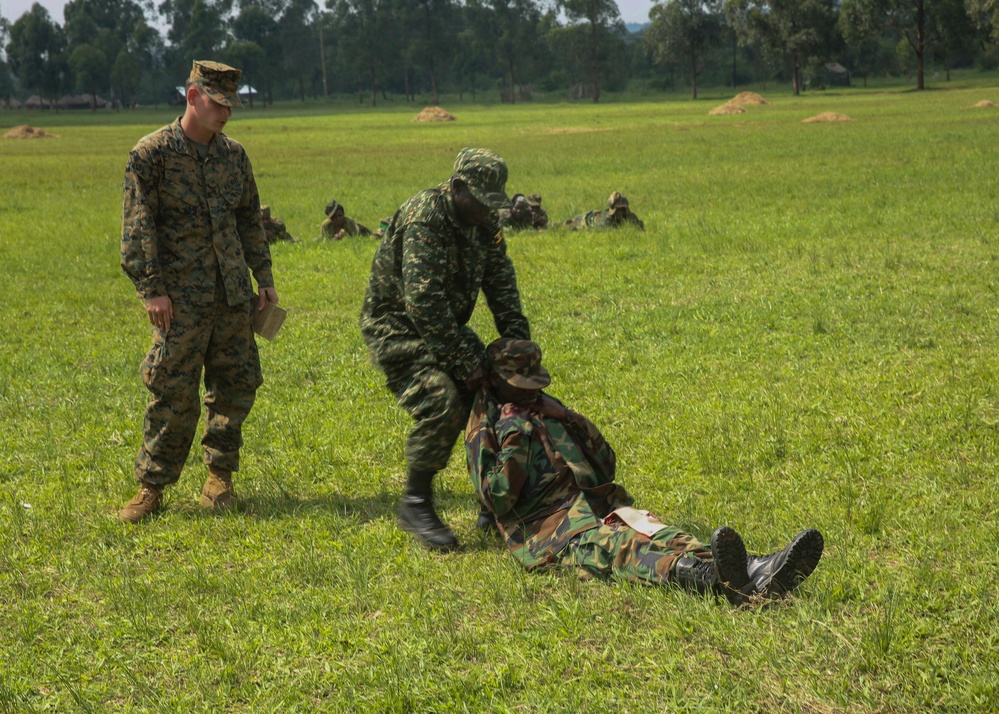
(298, 35)
(90, 68)
(798, 30)
(255, 24)
(126, 73)
(6, 79)
(36, 52)
(599, 16)
(684, 30)
(366, 37)
(515, 37)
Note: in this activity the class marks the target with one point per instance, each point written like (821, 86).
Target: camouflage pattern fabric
(350, 228)
(613, 550)
(191, 230)
(426, 276)
(546, 480)
(184, 220)
(425, 279)
(529, 216)
(219, 81)
(550, 484)
(219, 338)
(602, 219)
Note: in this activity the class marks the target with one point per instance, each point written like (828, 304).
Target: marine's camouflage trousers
(615, 550)
(215, 339)
(439, 405)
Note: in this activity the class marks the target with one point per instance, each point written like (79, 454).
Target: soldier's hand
(266, 295)
(476, 379)
(160, 311)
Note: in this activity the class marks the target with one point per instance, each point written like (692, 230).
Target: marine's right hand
(160, 311)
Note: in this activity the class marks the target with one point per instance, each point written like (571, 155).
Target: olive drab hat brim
(518, 363)
(485, 174)
(219, 81)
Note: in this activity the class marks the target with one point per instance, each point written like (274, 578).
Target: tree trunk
(596, 60)
(920, 43)
(794, 75)
(735, 73)
(374, 87)
(513, 94)
(360, 90)
(693, 73)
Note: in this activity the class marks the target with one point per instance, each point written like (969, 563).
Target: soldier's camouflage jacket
(600, 219)
(186, 220)
(536, 219)
(425, 279)
(545, 479)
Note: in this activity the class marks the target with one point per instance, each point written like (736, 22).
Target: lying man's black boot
(486, 521)
(725, 574)
(779, 573)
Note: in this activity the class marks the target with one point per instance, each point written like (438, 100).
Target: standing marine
(618, 213)
(191, 235)
(440, 249)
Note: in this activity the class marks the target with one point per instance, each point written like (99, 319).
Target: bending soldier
(546, 473)
(617, 213)
(440, 249)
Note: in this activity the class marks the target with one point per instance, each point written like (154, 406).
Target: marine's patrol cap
(219, 81)
(518, 362)
(485, 174)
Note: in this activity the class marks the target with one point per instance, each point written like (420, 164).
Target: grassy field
(805, 335)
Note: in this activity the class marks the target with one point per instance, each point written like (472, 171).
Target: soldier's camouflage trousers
(440, 407)
(615, 550)
(215, 339)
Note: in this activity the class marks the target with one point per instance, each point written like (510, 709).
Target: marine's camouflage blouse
(600, 219)
(425, 279)
(185, 220)
(545, 479)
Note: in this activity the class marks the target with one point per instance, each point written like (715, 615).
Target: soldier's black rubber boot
(486, 521)
(725, 574)
(781, 572)
(417, 514)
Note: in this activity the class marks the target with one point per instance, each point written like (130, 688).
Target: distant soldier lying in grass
(618, 213)
(338, 225)
(546, 474)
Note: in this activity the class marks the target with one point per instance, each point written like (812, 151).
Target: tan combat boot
(144, 503)
(218, 493)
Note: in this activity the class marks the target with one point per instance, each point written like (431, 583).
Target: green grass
(803, 336)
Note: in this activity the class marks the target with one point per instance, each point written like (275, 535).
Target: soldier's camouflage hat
(616, 201)
(518, 362)
(534, 199)
(485, 174)
(519, 198)
(332, 206)
(219, 81)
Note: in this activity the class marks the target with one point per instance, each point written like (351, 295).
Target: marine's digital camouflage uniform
(550, 484)
(191, 229)
(425, 280)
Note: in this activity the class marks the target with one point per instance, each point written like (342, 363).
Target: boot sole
(803, 556)
(731, 562)
(427, 543)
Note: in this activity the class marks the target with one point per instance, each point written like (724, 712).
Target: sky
(631, 10)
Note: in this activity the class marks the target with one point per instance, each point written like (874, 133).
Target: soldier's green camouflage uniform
(531, 215)
(602, 219)
(550, 484)
(425, 280)
(191, 229)
(350, 228)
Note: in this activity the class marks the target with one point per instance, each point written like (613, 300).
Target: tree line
(381, 48)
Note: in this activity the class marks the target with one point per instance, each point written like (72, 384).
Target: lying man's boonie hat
(332, 206)
(518, 362)
(534, 200)
(485, 174)
(219, 81)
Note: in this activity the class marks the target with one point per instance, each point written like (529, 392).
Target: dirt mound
(725, 109)
(827, 116)
(28, 132)
(982, 104)
(748, 99)
(434, 114)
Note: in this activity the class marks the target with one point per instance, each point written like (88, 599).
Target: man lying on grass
(546, 474)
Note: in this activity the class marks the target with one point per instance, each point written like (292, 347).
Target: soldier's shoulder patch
(498, 238)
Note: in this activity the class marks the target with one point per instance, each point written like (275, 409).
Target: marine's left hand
(266, 295)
